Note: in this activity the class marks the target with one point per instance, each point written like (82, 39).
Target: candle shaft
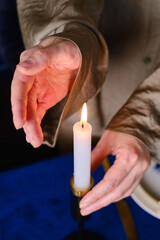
(82, 155)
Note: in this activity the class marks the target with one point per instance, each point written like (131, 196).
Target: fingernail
(84, 205)
(26, 64)
(85, 212)
(33, 143)
(17, 124)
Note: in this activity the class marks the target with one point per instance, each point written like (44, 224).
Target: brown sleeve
(75, 21)
(140, 116)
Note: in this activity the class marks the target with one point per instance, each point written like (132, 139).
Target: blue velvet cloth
(35, 205)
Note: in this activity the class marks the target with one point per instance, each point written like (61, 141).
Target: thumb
(33, 60)
(62, 54)
(102, 149)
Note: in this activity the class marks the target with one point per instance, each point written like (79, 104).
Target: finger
(114, 196)
(124, 189)
(20, 86)
(118, 194)
(123, 165)
(33, 61)
(111, 180)
(130, 190)
(41, 110)
(62, 55)
(101, 150)
(101, 196)
(32, 126)
(116, 173)
(136, 176)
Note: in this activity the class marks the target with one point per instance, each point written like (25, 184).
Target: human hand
(132, 160)
(43, 77)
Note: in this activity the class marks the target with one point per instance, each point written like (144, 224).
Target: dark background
(14, 150)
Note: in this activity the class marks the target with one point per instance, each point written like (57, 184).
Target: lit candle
(82, 151)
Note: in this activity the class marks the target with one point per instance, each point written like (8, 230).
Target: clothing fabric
(129, 93)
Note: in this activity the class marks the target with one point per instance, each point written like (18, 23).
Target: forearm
(40, 19)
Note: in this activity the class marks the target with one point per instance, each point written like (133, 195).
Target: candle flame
(84, 114)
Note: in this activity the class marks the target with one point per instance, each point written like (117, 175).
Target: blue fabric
(35, 205)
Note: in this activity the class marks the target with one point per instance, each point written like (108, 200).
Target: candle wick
(82, 125)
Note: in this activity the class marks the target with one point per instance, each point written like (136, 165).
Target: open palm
(43, 77)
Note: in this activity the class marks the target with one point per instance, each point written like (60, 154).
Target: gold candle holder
(76, 196)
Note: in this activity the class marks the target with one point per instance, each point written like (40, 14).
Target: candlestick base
(76, 196)
(86, 236)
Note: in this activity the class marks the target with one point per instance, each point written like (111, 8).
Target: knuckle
(99, 204)
(120, 194)
(41, 53)
(134, 157)
(24, 55)
(110, 185)
(95, 197)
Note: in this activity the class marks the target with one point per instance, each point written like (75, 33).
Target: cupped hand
(43, 77)
(132, 160)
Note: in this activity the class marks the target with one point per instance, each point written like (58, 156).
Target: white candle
(82, 151)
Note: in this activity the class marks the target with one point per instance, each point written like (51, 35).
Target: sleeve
(140, 116)
(75, 21)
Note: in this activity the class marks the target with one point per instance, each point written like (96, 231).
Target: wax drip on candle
(84, 115)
